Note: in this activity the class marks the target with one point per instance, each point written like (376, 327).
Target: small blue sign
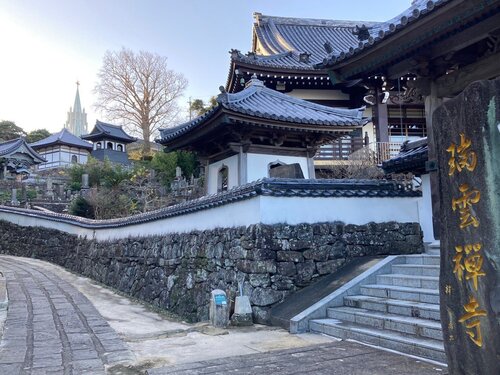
(220, 299)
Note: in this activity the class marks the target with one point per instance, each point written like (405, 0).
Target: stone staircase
(399, 312)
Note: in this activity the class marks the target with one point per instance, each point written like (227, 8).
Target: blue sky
(47, 45)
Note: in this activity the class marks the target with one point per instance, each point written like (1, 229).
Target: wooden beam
(467, 37)
(452, 84)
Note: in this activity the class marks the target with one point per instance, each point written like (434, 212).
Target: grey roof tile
(63, 137)
(261, 102)
(277, 35)
(411, 158)
(380, 32)
(10, 146)
(102, 129)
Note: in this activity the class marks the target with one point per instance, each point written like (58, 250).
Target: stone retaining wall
(177, 271)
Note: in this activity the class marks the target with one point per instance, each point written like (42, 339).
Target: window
(109, 146)
(222, 179)
(74, 159)
(119, 148)
(98, 146)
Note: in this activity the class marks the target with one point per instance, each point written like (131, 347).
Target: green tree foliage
(81, 207)
(9, 130)
(100, 173)
(164, 165)
(36, 135)
(199, 107)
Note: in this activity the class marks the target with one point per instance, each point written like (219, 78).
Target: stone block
(265, 296)
(286, 268)
(289, 256)
(256, 266)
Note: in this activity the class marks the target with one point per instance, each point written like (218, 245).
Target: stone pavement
(62, 323)
(338, 358)
(52, 328)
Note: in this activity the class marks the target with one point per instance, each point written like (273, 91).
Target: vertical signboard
(467, 139)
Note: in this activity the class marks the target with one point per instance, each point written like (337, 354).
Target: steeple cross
(77, 83)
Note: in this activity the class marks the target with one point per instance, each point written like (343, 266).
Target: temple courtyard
(67, 323)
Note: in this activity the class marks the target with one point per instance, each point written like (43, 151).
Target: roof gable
(263, 104)
(275, 35)
(105, 130)
(64, 137)
(19, 145)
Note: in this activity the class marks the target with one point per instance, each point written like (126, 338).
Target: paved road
(338, 358)
(51, 328)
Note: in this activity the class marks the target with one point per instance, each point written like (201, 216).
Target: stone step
(416, 269)
(401, 293)
(395, 306)
(425, 282)
(423, 259)
(404, 324)
(422, 347)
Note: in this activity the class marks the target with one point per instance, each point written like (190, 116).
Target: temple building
(77, 118)
(17, 157)
(109, 142)
(62, 149)
(285, 54)
(259, 132)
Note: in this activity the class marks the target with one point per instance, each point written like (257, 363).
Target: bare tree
(139, 90)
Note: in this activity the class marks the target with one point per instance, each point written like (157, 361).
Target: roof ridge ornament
(362, 32)
(254, 82)
(328, 47)
(304, 57)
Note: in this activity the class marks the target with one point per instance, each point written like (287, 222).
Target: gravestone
(287, 171)
(85, 181)
(14, 200)
(467, 139)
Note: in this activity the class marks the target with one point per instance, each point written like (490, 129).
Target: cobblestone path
(338, 358)
(51, 328)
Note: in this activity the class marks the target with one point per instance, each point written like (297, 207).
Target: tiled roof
(9, 147)
(380, 32)
(286, 60)
(63, 137)
(276, 35)
(102, 129)
(260, 102)
(411, 158)
(276, 187)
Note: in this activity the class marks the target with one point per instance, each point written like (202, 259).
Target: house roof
(380, 32)
(103, 130)
(64, 137)
(258, 101)
(285, 60)
(277, 35)
(10, 147)
(411, 158)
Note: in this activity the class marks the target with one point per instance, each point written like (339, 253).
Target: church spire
(77, 107)
(77, 119)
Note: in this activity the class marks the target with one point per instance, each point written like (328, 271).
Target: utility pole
(190, 114)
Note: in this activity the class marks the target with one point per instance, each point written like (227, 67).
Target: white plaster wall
(260, 209)
(213, 170)
(349, 210)
(319, 94)
(425, 209)
(257, 164)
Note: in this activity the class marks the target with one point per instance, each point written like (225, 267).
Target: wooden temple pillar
(432, 101)
(381, 119)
